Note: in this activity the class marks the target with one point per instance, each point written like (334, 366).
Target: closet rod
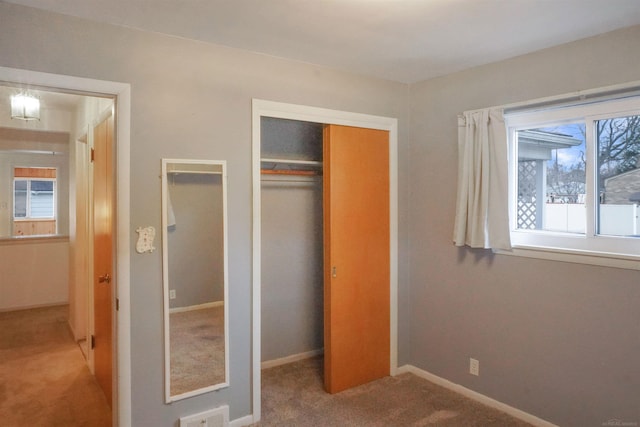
(293, 162)
(290, 181)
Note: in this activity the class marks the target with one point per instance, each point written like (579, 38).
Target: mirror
(194, 244)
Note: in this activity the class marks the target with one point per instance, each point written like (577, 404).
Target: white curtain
(482, 211)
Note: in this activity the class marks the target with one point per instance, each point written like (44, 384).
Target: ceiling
(400, 40)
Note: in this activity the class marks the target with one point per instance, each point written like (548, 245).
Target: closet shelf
(291, 167)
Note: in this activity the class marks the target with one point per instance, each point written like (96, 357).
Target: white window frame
(28, 216)
(590, 248)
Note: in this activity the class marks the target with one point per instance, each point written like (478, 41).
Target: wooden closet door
(103, 294)
(356, 256)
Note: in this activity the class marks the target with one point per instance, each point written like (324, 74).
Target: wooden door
(103, 284)
(356, 256)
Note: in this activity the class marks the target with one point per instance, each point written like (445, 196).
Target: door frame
(121, 92)
(262, 108)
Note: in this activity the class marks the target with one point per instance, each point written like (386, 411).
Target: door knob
(105, 278)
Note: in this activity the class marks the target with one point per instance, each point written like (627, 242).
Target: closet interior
(291, 240)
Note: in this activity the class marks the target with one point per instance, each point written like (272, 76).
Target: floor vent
(218, 417)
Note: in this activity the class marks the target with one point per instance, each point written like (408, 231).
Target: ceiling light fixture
(25, 107)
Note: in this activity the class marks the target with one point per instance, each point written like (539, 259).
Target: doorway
(121, 323)
(262, 109)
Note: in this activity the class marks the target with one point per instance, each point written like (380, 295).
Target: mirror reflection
(195, 271)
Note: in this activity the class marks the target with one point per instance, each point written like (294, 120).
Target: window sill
(603, 259)
(16, 240)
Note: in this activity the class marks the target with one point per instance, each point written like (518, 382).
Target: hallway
(44, 379)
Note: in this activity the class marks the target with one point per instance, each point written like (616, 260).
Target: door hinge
(117, 304)
(93, 342)
(93, 154)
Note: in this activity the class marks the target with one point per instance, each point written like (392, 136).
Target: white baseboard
(291, 359)
(197, 307)
(242, 422)
(29, 307)
(485, 400)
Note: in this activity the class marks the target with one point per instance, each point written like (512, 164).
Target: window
(575, 178)
(34, 201)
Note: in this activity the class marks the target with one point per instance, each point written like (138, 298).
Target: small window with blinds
(34, 201)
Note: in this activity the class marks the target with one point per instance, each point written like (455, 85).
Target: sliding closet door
(356, 258)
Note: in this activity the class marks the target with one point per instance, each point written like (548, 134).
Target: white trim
(478, 397)
(241, 422)
(574, 256)
(122, 92)
(290, 359)
(578, 97)
(196, 307)
(203, 417)
(87, 169)
(262, 108)
(30, 307)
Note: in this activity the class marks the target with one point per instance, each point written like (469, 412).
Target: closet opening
(291, 240)
(324, 183)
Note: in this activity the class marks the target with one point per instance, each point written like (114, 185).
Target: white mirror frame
(165, 280)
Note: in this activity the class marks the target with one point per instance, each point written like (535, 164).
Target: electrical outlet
(172, 294)
(474, 367)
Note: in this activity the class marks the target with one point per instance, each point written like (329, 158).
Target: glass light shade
(25, 107)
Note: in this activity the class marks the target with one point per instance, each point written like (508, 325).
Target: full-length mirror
(194, 243)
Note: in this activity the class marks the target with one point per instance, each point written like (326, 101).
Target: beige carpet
(44, 380)
(197, 349)
(292, 395)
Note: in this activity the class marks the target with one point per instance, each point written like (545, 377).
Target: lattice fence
(527, 194)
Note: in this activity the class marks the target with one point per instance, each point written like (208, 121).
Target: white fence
(616, 220)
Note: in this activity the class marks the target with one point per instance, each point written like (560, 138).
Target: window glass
(574, 181)
(618, 175)
(34, 198)
(41, 199)
(551, 174)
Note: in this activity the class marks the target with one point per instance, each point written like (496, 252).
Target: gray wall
(196, 240)
(189, 100)
(292, 276)
(290, 139)
(557, 340)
